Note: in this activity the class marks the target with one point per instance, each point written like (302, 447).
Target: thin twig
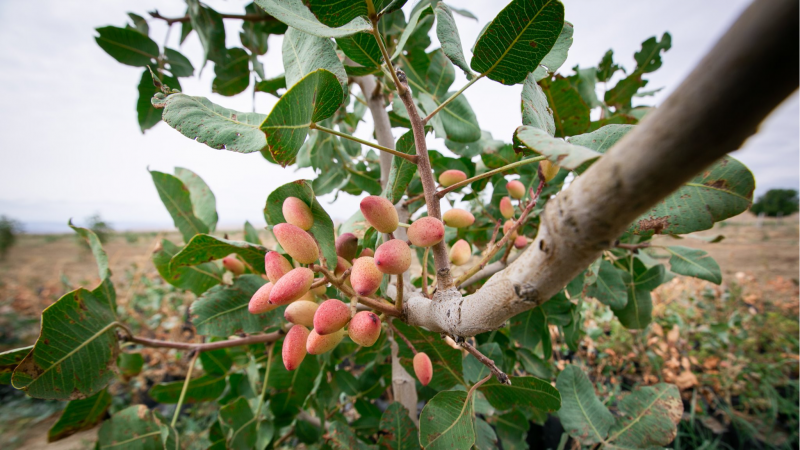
(490, 173)
(402, 336)
(501, 376)
(632, 247)
(264, 387)
(452, 97)
(414, 199)
(319, 282)
(204, 347)
(398, 303)
(378, 305)
(183, 390)
(410, 158)
(509, 246)
(425, 272)
(506, 237)
(386, 58)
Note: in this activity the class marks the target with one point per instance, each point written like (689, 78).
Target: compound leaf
(584, 417)
(446, 422)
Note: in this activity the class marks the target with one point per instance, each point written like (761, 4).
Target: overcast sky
(73, 147)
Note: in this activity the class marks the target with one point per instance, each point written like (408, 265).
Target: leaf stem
(452, 97)
(202, 347)
(270, 348)
(402, 336)
(490, 173)
(486, 361)
(410, 158)
(183, 390)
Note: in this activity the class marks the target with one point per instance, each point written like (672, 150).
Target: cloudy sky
(73, 147)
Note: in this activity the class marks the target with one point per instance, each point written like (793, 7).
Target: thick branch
(440, 258)
(710, 114)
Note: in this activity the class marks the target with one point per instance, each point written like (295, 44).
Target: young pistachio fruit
(460, 252)
(318, 344)
(301, 312)
(458, 218)
(548, 170)
(507, 227)
(259, 302)
(276, 266)
(367, 252)
(365, 276)
(341, 265)
(331, 316)
(294, 347)
(451, 177)
(365, 328)
(393, 257)
(233, 264)
(297, 213)
(292, 286)
(426, 232)
(520, 242)
(346, 246)
(506, 208)
(380, 213)
(297, 242)
(423, 368)
(516, 189)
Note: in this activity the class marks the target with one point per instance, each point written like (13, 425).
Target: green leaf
(130, 364)
(135, 427)
(585, 82)
(570, 113)
(557, 150)
(341, 437)
(620, 95)
(637, 313)
(446, 361)
(601, 139)
(139, 24)
(203, 248)
(447, 32)
(222, 310)
(76, 353)
(649, 58)
(146, 114)
(251, 234)
(512, 429)
(459, 120)
(694, 263)
(238, 424)
(558, 54)
(80, 415)
(446, 422)
(323, 225)
(293, 388)
(485, 437)
(721, 191)
(584, 417)
(609, 288)
(304, 53)
(210, 29)
(216, 362)
(179, 65)
(440, 75)
(219, 128)
(177, 199)
(201, 389)
(127, 46)
(413, 21)
(9, 361)
(271, 85)
(535, 111)
(361, 48)
(329, 181)
(232, 73)
(204, 203)
(606, 67)
(313, 99)
(197, 279)
(402, 171)
(648, 417)
(97, 250)
(475, 370)
(365, 182)
(526, 392)
(295, 14)
(340, 13)
(516, 41)
(398, 431)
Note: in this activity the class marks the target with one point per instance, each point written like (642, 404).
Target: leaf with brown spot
(80, 415)
(398, 431)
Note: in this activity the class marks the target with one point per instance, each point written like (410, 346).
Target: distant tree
(9, 229)
(776, 202)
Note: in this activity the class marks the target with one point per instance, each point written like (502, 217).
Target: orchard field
(731, 349)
